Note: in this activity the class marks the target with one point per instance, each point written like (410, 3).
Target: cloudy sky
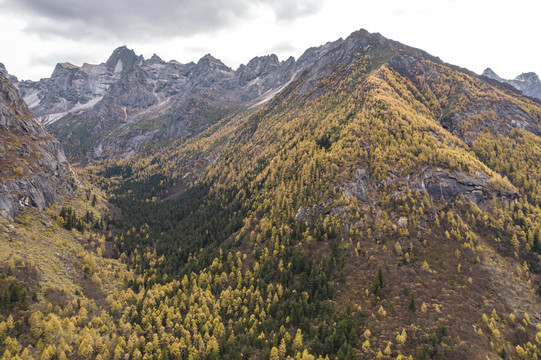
(36, 34)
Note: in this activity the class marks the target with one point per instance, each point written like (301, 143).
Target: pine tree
(411, 305)
(378, 284)
(14, 292)
(24, 301)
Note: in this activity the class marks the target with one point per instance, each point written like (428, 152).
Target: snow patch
(32, 99)
(89, 104)
(51, 118)
(271, 93)
(118, 66)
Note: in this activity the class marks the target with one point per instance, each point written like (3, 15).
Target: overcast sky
(36, 34)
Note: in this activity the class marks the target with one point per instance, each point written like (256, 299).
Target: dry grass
(56, 252)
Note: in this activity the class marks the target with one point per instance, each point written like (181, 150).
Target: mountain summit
(122, 59)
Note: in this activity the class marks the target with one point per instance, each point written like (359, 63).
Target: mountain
(52, 237)
(398, 194)
(116, 108)
(34, 168)
(120, 107)
(528, 83)
(377, 204)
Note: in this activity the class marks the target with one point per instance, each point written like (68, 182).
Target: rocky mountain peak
(528, 77)
(209, 61)
(62, 68)
(67, 65)
(155, 58)
(489, 73)
(122, 59)
(260, 62)
(365, 34)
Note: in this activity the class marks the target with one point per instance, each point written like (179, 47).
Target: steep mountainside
(381, 204)
(34, 170)
(528, 83)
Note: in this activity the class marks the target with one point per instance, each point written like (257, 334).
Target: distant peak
(156, 58)
(362, 33)
(529, 76)
(290, 59)
(123, 56)
(211, 61)
(122, 49)
(3, 71)
(272, 58)
(67, 65)
(489, 73)
(209, 57)
(63, 68)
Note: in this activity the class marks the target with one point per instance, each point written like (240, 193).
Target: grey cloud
(290, 10)
(74, 57)
(142, 19)
(283, 47)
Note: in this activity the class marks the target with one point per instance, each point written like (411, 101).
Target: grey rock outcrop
(440, 184)
(34, 168)
(10, 77)
(447, 186)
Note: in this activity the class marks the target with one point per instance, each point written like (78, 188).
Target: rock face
(34, 170)
(528, 83)
(11, 78)
(438, 183)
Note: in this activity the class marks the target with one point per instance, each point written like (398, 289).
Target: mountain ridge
(117, 101)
